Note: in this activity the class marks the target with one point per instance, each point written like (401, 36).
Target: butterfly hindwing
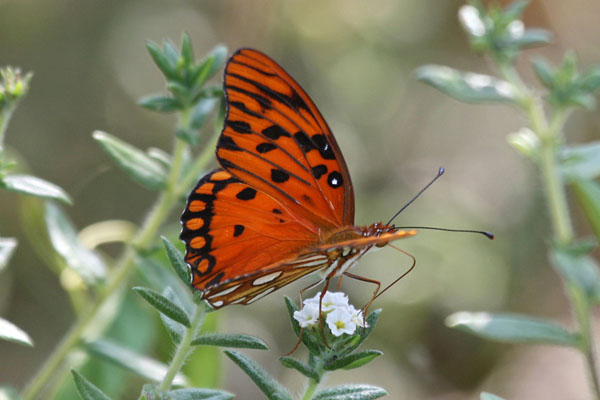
(276, 139)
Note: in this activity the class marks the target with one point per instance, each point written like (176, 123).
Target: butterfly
(281, 205)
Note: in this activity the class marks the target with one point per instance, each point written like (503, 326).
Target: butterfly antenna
(489, 235)
(440, 173)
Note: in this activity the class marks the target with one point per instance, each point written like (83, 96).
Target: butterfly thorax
(355, 233)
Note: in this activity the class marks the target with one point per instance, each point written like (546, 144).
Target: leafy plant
(500, 34)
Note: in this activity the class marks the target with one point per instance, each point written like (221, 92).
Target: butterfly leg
(375, 293)
(312, 285)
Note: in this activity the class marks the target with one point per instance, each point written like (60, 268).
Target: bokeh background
(356, 60)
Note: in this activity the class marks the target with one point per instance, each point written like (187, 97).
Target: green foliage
(351, 392)
(501, 34)
(177, 262)
(13, 87)
(33, 186)
(86, 390)
(512, 328)
(231, 340)
(272, 389)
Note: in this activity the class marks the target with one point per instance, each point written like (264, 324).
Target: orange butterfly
(282, 205)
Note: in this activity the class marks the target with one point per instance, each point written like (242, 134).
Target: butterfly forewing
(276, 139)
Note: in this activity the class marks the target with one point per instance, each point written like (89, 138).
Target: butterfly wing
(276, 140)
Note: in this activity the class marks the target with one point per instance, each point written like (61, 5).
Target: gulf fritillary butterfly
(282, 205)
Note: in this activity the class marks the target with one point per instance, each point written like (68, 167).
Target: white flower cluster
(340, 316)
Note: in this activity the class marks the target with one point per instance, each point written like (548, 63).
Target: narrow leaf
(170, 51)
(63, 236)
(511, 328)
(160, 103)
(351, 392)
(533, 37)
(163, 63)
(306, 370)
(201, 111)
(186, 49)
(587, 193)
(175, 329)
(177, 262)
(132, 160)
(581, 162)
(164, 305)
(86, 390)
(12, 333)
(231, 340)
(577, 268)
(210, 65)
(265, 382)
(199, 394)
(353, 360)
(466, 86)
(364, 333)
(144, 366)
(7, 247)
(34, 186)
(489, 396)
(544, 71)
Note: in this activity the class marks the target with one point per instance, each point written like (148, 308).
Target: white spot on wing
(224, 292)
(217, 303)
(267, 278)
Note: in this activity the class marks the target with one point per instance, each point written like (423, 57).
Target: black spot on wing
(227, 142)
(238, 230)
(277, 211)
(246, 194)
(319, 170)
(263, 101)
(304, 141)
(239, 126)
(265, 147)
(323, 146)
(335, 179)
(279, 176)
(274, 132)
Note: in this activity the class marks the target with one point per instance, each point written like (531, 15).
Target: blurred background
(356, 60)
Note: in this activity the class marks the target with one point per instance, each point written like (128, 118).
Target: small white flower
(471, 20)
(331, 301)
(340, 321)
(357, 317)
(516, 29)
(308, 316)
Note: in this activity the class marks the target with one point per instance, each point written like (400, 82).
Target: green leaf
(167, 67)
(581, 161)
(231, 340)
(172, 55)
(591, 80)
(306, 370)
(578, 268)
(12, 333)
(533, 37)
(175, 329)
(177, 262)
(515, 9)
(187, 52)
(353, 360)
(265, 382)
(132, 160)
(34, 186)
(7, 247)
(201, 111)
(86, 390)
(199, 394)
(145, 367)
(587, 193)
(164, 305)
(489, 396)
(160, 103)
(544, 71)
(512, 328)
(160, 155)
(213, 62)
(351, 392)
(63, 236)
(466, 86)
(308, 338)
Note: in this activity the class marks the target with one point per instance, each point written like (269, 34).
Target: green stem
(142, 241)
(310, 389)
(184, 347)
(5, 116)
(551, 137)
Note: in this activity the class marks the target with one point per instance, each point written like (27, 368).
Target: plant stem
(183, 349)
(5, 116)
(550, 135)
(310, 389)
(142, 241)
